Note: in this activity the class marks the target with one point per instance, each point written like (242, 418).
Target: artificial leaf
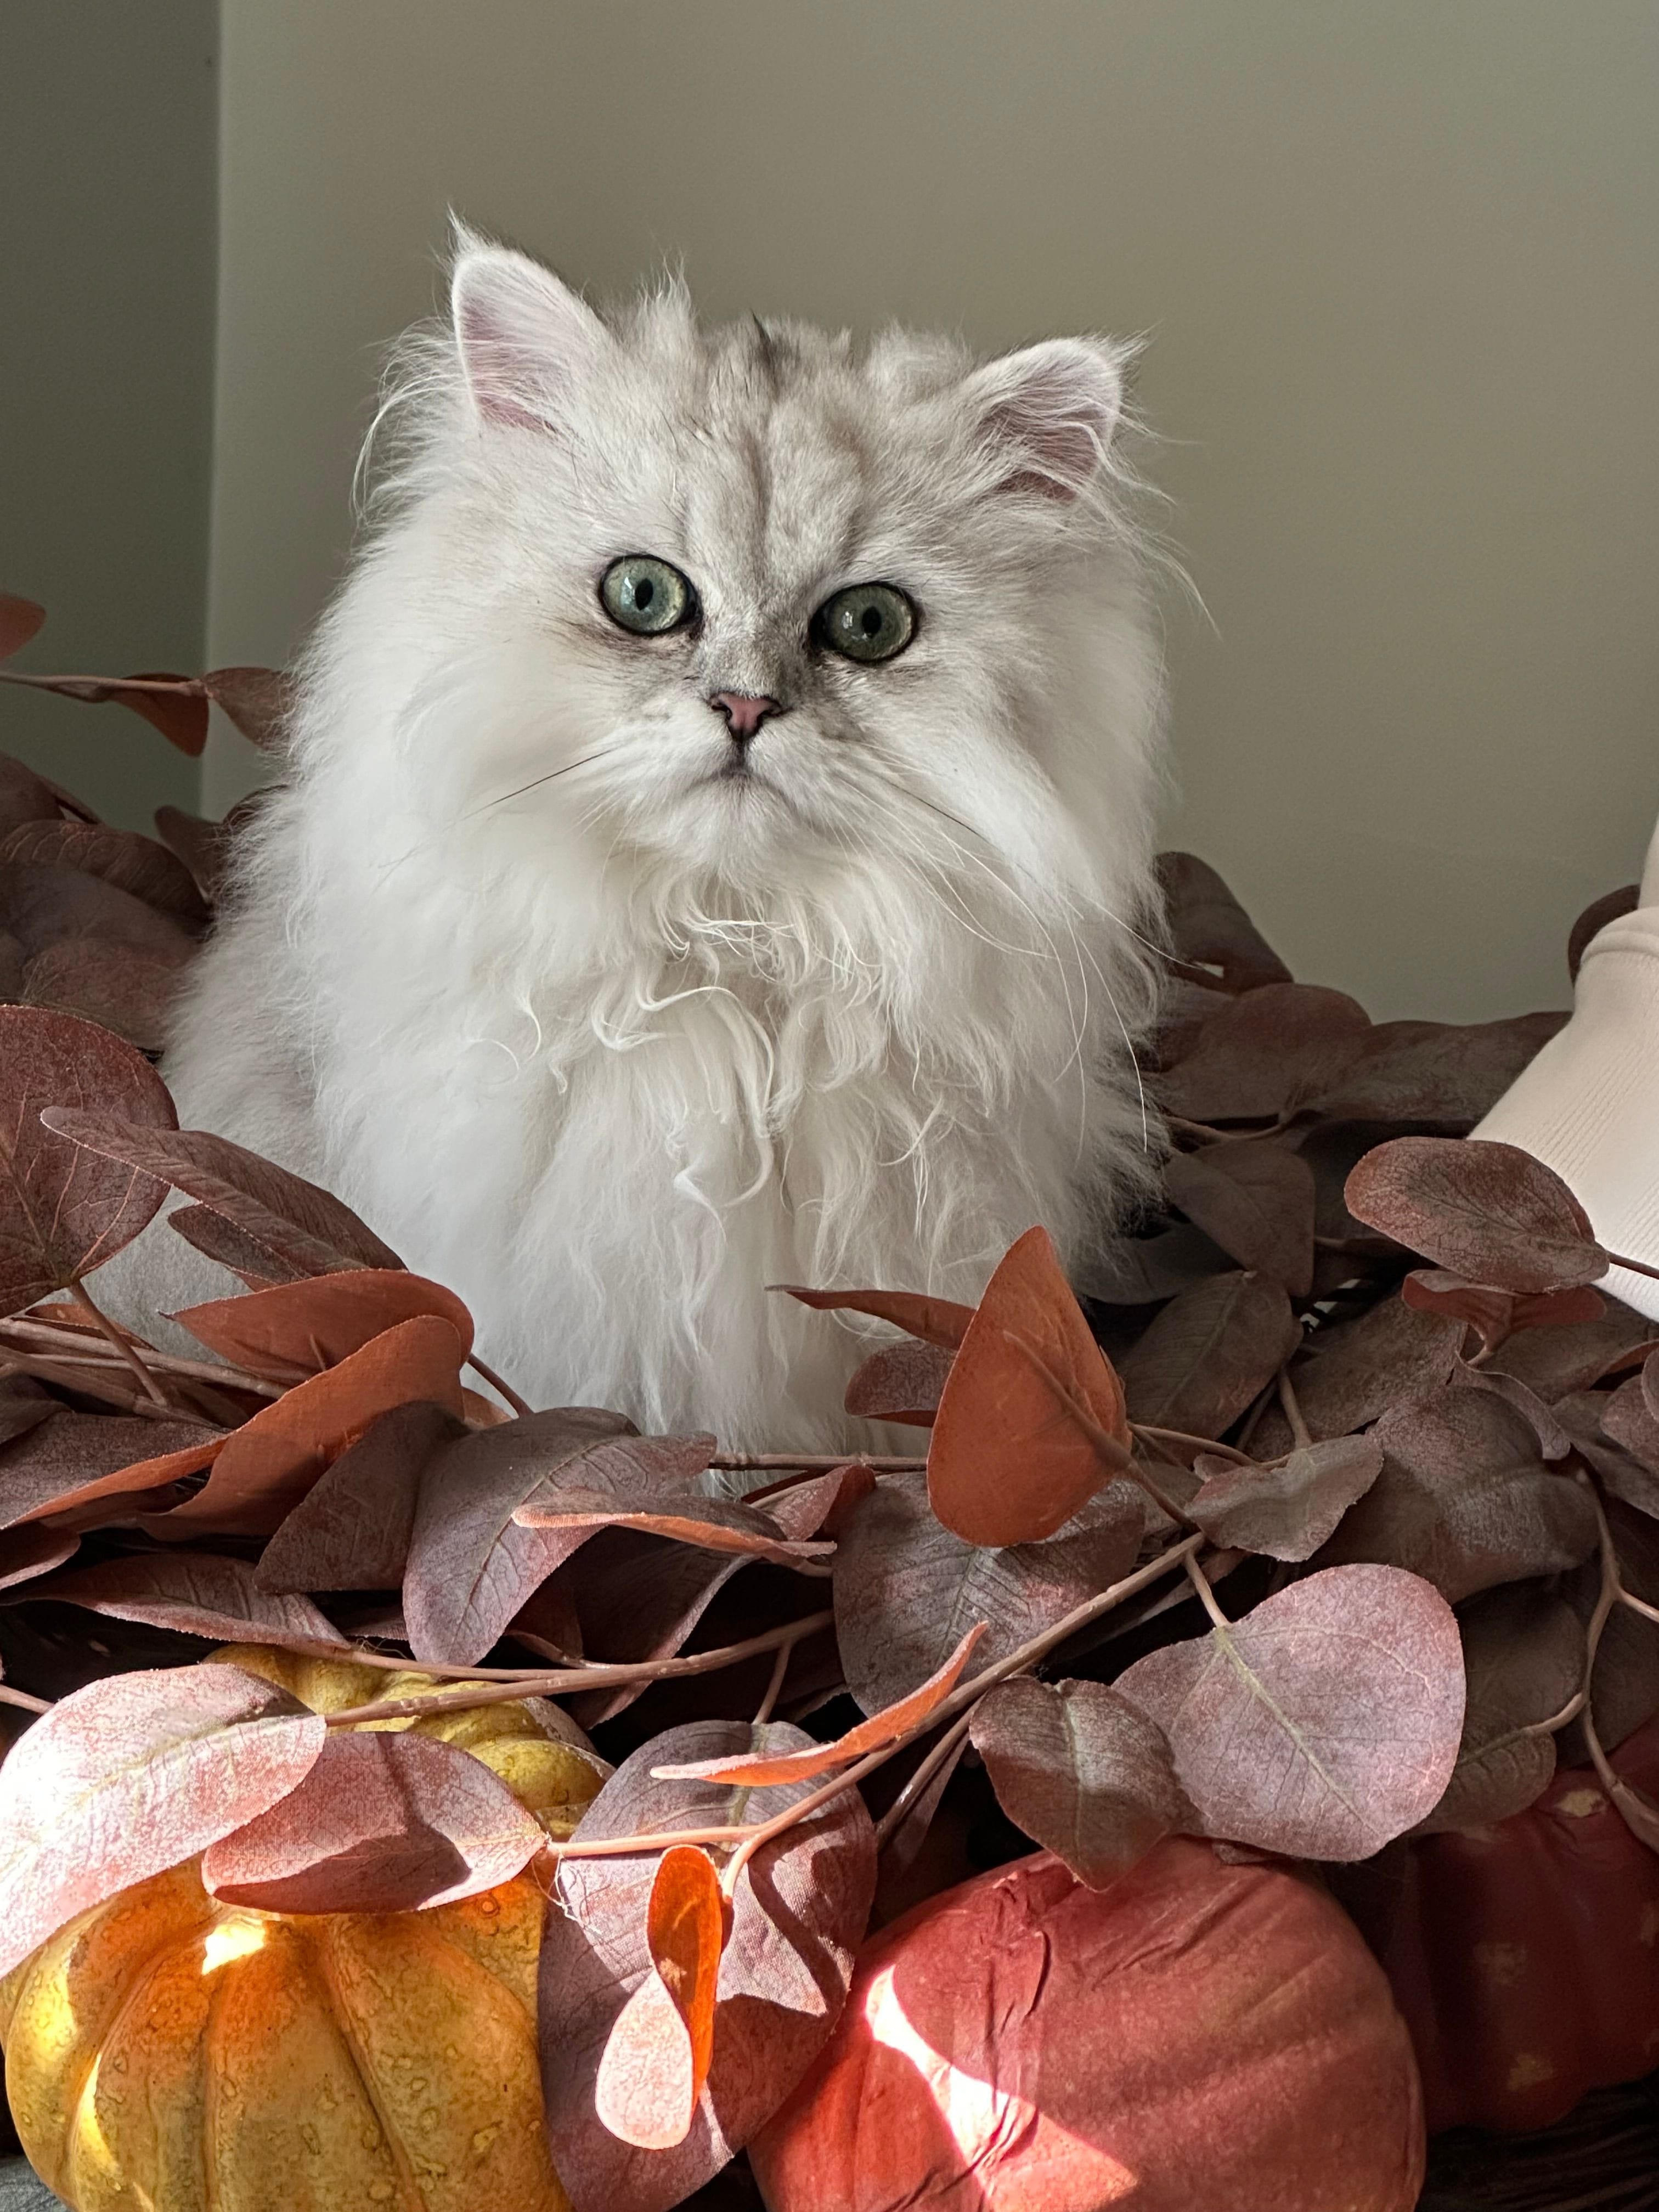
(382, 1823)
(1388, 1355)
(471, 1565)
(1624, 1680)
(304, 1230)
(217, 1238)
(935, 1321)
(1256, 1201)
(63, 1211)
(644, 1483)
(1499, 1313)
(1555, 1440)
(23, 1405)
(259, 701)
(353, 1528)
(20, 621)
(657, 2057)
(199, 1594)
(1630, 1419)
(1445, 1073)
(1259, 1056)
(1288, 1510)
(1084, 1773)
(1208, 1354)
(24, 796)
(269, 1464)
(46, 907)
(906, 1589)
(1555, 1362)
(1487, 1211)
(175, 705)
(1465, 1498)
(130, 1775)
(74, 1459)
(1140, 1271)
(886, 1727)
(1323, 1723)
(1523, 1660)
(129, 988)
(799, 1908)
(133, 864)
(900, 1382)
(31, 1551)
(298, 1328)
(1006, 1462)
(1208, 927)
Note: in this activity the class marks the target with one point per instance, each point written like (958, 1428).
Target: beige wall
(1398, 264)
(108, 120)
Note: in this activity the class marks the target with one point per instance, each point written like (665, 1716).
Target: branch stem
(124, 1351)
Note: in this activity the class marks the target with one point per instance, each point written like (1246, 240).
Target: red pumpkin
(1525, 1956)
(1199, 2036)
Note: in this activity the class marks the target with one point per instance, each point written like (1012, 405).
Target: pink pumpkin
(1199, 2036)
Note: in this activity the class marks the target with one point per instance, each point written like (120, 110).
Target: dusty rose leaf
(74, 1458)
(268, 1465)
(1006, 1462)
(1465, 1498)
(1322, 1725)
(382, 1823)
(31, 1551)
(244, 1255)
(134, 864)
(1142, 1271)
(122, 988)
(1209, 1353)
(24, 796)
(1286, 1511)
(1436, 1290)
(1259, 1056)
(883, 1728)
(1639, 1812)
(20, 621)
(1445, 1073)
(23, 1405)
(63, 1211)
(1555, 1440)
(1595, 919)
(46, 907)
(900, 1382)
(129, 1776)
(199, 1594)
(644, 1483)
(305, 1229)
(906, 1589)
(259, 701)
(298, 1328)
(352, 1529)
(1254, 1200)
(656, 2055)
(935, 1321)
(1557, 1361)
(1387, 1356)
(1209, 929)
(1485, 1210)
(800, 1908)
(471, 1565)
(1630, 1420)
(1083, 1772)
(1523, 1660)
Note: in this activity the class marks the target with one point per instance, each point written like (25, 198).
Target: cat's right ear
(519, 332)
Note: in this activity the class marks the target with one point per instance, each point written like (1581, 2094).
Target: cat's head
(755, 602)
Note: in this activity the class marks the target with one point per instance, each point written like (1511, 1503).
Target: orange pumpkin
(1199, 2038)
(1525, 1956)
(165, 2050)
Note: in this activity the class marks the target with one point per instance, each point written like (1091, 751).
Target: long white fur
(608, 1047)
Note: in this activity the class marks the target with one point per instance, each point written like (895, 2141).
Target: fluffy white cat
(718, 822)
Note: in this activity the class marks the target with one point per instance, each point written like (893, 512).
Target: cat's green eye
(866, 622)
(646, 595)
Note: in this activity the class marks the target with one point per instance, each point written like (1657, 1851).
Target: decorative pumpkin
(1525, 1956)
(168, 2050)
(1199, 2035)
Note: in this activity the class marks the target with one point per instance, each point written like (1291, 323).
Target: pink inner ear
(498, 369)
(1057, 415)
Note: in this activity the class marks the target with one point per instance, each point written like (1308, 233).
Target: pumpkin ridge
(318, 1965)
(152, 1959)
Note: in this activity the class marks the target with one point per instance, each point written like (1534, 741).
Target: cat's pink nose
(745, 712)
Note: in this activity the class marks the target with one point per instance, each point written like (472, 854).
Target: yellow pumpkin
(168, 2053)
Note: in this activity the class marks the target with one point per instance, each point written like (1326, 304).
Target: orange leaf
(883, 1728)
(1006, 1463)
(19, 621)
(268, 1465)
(935, 1321)
(132, 1480)
(296, 1329)
(685, 1927)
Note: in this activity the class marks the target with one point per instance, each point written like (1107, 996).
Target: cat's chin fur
(611, 1053)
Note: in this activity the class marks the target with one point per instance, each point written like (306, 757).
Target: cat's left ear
(1051, 411)
(520, 332)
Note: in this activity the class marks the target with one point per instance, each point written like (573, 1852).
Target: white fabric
(1589, 1105)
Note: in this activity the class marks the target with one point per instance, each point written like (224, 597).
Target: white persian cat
(719, 821)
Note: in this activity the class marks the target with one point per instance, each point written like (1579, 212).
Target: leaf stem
(56, 1335)
(1200, 1583)
(894, 1818)
(1182, 1436)
(124, 1351)
(813, 1462)
(1291, 1405)
(551, 1681)
(1633, 1267)
(780, 1669)
(30, 1704)
(504, 1389)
